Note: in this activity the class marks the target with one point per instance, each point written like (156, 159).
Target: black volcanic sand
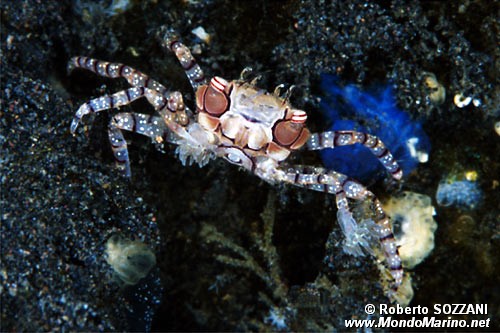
(62, 199)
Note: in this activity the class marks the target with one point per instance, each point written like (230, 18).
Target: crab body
(252, 126)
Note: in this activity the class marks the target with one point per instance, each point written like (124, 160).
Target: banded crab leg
(170, 105)
(142, 84)
(116, 70)
(320, 179)
(170, 40)
(159, 129)
(118, 99)
(148, 125)
(332, 139)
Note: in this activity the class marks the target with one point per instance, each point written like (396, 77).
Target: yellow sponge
(414, 226)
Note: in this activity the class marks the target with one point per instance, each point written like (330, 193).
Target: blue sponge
(349, 108)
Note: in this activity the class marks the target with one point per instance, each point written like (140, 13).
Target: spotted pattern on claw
(241, 123)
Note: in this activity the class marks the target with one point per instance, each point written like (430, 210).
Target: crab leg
(116, 70)
(171, 109)
(171, 41)
(332, 139)
(151, 126)
(170, 106)
(118, 99)
(144, 124)
(343, 187)
(120, 151)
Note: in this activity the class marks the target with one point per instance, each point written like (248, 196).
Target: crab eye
(215, 100)
(286, 132)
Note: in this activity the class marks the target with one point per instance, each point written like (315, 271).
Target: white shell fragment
(461, 101)
(421, 156)
(437, 92)
(131, 260)
(201, 34)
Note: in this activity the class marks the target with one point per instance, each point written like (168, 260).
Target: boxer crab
(244, 125)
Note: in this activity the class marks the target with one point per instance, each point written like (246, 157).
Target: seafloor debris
(131, 260)
(436, 91)
(414, 226)
(463, 194)
(461, 101)
(269, 273)
(202, 34)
